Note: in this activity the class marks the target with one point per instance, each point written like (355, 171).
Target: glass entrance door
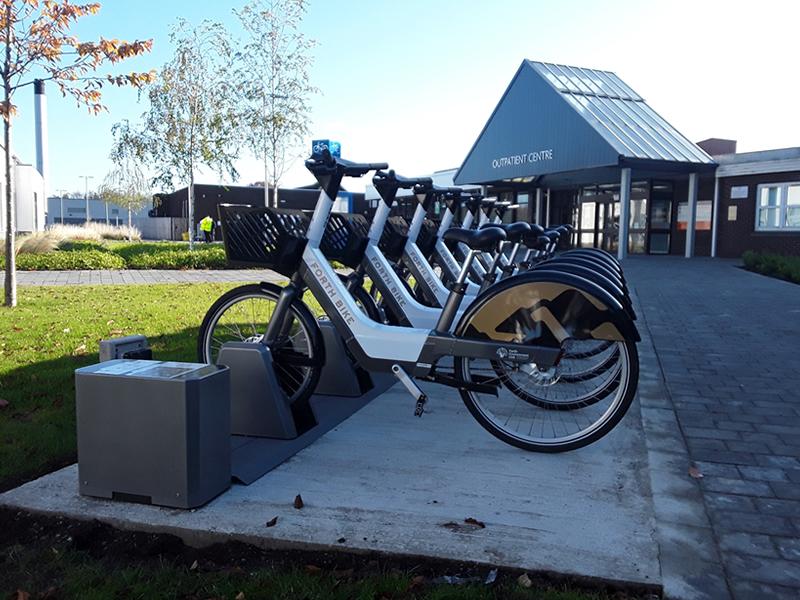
(659, 230)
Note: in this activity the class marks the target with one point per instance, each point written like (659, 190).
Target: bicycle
(520, 323)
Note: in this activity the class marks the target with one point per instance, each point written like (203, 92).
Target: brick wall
(734, 237)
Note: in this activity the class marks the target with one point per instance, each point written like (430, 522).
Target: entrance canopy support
(691, 218)
(714, 218)
(538, 207)
(547, 210)
(624, 212)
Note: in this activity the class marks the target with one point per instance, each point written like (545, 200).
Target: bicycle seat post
(457, 291)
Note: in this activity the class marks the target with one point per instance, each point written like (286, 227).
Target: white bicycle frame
(376, 340)
(417, 314)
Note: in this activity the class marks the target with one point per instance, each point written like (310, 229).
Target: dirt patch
(121, 549)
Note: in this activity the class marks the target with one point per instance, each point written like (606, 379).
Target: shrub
(37, 243)
(74, 232)
(73, 245)
(773, 265)
(60, 260)
(115, 232)
(212, 257)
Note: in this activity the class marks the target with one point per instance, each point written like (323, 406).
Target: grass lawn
(55, 330)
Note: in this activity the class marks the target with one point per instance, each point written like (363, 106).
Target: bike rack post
(340, 377)
(259, 407)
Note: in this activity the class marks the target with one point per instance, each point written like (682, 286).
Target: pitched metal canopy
(561, 119)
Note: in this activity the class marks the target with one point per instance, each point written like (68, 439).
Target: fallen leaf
(525, 581)
(66, 330)
(3, 403)
(194, 566)
(312, 569)
(116, 332)
(475, 522)
(272, 522)
(298, 502)
(15, 328)
(110, 322)
(240, 596)
(80, 350)
(417, 582)
(491, 577)
(695, 473)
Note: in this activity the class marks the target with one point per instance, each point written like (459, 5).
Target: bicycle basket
(263, 237)
(426, 240)
(345, 238)
(393, 239)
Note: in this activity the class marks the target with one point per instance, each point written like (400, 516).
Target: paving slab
(387, 481)
(144, 276)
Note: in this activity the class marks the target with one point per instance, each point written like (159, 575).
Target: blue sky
(413, 82)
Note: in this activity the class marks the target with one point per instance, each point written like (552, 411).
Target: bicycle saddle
(553, 234)
(515, 232)
(327, 164)
(537, 229)
(476, 239)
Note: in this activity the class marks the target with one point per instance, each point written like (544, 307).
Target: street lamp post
(86, 179)
(61, 199)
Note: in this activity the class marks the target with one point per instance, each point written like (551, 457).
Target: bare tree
(126, 185)
(273, 66)
(191, 122)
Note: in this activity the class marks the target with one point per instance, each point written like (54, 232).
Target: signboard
(319, 146)
(702, 217)
(739, 192)
(732, 212)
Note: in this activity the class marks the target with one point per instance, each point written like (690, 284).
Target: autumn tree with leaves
(37, 42)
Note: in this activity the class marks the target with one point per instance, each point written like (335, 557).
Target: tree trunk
(191, 212)
(11, 259)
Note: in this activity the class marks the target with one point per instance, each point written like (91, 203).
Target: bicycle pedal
(419, 408)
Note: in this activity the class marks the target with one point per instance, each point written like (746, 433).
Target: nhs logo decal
(319, 146)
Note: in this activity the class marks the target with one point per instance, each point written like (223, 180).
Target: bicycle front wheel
(243, 314)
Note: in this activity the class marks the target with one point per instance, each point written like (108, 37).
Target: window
(778, 206)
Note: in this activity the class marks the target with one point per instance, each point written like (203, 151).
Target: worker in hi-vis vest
(207, 226)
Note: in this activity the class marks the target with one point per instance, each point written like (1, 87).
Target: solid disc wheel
(243, 314)
(539, 428)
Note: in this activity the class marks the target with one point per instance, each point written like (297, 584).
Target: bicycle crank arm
(412, 388)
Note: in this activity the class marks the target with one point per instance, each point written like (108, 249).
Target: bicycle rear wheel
(542, 427)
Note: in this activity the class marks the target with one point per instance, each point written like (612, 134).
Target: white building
(29, 196)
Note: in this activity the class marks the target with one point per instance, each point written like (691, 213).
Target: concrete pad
(387, 481)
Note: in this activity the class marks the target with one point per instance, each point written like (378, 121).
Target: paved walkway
(727, 343)
(140, 277)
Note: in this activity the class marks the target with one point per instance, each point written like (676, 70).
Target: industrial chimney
(40, 110)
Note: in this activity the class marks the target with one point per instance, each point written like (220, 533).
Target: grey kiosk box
(153, 431)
